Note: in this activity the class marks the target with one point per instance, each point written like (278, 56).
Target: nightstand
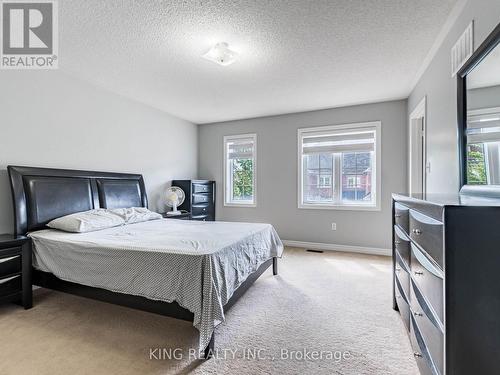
(183, 216)
(200, 198)
(15, 270)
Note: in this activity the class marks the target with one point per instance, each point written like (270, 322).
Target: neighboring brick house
(356, 178)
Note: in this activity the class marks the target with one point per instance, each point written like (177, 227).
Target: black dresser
(446, 281)
(200, 198)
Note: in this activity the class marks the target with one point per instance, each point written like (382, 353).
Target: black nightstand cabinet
(15, 270)
(200, 198)
(183, 216)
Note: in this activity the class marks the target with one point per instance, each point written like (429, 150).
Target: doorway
(417, 150)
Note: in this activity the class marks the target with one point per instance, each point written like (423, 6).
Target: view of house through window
(338, 165)
(357, 176)
(240, 155)
(356, 181)
(319, 177)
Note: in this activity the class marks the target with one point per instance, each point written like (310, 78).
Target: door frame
(420, 111)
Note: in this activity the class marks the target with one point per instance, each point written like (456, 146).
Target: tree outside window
(242, 171)
(476, 165)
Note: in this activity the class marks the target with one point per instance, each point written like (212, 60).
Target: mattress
(197, 264)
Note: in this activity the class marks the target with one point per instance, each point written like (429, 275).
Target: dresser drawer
(420, 352)
(403, 305)
(403, 275)
(200, 210)
(402, 244)
(429, 327)
(10, 285)
(401, 216)
(428, 233)
(201, 198)
(202, 188)
(10, 264)
(429, 280)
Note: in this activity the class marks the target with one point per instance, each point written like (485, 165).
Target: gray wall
(277, 174)
(53, 120)
(441, 91)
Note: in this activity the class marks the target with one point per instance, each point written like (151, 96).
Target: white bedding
(198, 264)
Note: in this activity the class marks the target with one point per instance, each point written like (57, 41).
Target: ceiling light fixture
(221, 54)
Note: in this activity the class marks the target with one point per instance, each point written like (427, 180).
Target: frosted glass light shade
(221, 54)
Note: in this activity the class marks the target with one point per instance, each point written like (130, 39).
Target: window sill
(244, 205)
(345, 207)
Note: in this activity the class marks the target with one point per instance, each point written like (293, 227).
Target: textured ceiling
(294, 55)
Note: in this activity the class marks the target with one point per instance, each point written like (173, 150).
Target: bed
(183, 269)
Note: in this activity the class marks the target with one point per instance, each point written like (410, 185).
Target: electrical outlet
(334, 226)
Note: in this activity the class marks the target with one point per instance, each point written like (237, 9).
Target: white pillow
(87, 221)
(136, 214)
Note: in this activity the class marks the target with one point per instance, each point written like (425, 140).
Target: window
(240, 170)
(477, 172)
(338, 166)
(483, 146)
(325, 181)
(353, 182)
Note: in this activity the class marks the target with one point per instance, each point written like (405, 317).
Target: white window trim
(377, 168)
(228, 138)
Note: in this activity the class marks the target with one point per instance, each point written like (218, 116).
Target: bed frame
(41, 195)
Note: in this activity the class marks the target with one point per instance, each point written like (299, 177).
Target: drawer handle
(417, 355)
(397, 215)
(418, 232)
(3, 281)
(419, 273)
(416, 313)
(8, 259)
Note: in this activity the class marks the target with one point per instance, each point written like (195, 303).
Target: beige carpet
(333, 302)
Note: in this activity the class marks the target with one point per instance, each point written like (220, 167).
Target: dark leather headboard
(42, 194)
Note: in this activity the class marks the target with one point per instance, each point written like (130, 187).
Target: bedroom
(284, 128)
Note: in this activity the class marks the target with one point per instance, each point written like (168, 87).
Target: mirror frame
(484, 49)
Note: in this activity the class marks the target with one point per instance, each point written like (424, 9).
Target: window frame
(376, 165)
(228, 182)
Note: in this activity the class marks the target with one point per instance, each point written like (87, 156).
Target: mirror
(483, 121)
(479, 115)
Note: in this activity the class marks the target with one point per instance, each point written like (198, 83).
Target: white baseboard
(334, 247)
